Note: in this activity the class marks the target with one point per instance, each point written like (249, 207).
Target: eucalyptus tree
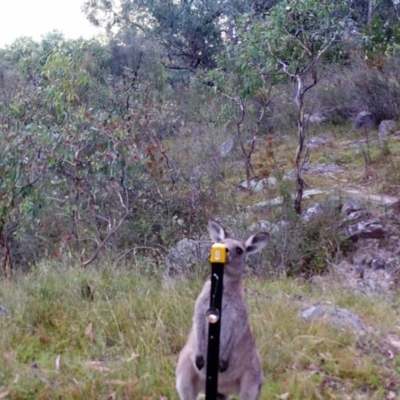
(191, 32)
(381, 33)
(20, 197)
(293, 41)
(290, 41)
(364, 11)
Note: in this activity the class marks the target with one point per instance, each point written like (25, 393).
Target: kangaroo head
(238, 250)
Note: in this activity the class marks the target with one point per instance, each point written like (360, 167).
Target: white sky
(35, 18)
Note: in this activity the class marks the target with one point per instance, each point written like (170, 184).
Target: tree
(19, 197)
(381, 35)
(294, 40)
(243, 86)
(192, 32)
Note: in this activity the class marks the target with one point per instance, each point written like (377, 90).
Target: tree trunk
(300, 147)
(7, 261)
(371, 4)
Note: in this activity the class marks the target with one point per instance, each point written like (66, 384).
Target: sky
(35, 18)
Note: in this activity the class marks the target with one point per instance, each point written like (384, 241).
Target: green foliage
(322, 244)
(97, 142)
(377, 86)
(100, 127)
(20, 173)
(191, 32)
(380, 37)
(67, 82)
(289, 41)
(296, 34)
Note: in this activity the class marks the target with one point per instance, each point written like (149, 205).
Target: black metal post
(214, 314)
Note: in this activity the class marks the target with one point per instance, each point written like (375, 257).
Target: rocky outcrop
(337, 317)
(370, 229)
(4, 311)
(386, 127)
(185, 255)
(365, 120)
(315, 119)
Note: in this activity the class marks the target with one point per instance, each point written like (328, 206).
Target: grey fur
(240, 362)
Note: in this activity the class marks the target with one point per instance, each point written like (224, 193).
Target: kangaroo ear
(217, 232)
(256, 242)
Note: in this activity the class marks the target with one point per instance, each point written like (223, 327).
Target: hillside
(115, 332)
(280, 116)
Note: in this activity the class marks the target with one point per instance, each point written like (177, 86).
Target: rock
(312, 192)
(226, 147)
(312, 212)
(324, 169)
(254, 185)
(269, 182)
(315, 119)
(198, 172)
(282, 224)
(257, 186)
(186, 254)
(381, 200)
(378, 264)
(316, 142)
(363, 280)
(365, 120)
(318, 169)
(386, 127)
(372, 268)
(264, 226)
(339, 318)
(371, 229)
(278, 201)
(330, 206)
(356, 215)
(352, 205)
(384, 201)
(4, 311)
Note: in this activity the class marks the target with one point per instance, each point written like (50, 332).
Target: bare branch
(308, 51)
(111, 229)
(285, 68)
(180, 67)
(109, 234)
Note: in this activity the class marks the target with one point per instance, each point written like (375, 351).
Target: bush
(377, 88)
(305, 249)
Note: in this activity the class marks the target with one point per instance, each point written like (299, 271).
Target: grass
(110, 333)
(375, 166)
(123, 342)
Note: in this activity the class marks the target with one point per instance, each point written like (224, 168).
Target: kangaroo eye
(239, 250)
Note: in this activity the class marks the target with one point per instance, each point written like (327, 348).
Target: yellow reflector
(218, 253)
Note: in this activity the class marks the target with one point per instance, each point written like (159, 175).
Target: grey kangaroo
(240, 370)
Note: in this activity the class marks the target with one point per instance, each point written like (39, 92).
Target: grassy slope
(124, 343)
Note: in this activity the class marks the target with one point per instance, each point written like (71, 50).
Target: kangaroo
(240, 370)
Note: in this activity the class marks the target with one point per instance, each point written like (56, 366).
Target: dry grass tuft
(123, 341)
